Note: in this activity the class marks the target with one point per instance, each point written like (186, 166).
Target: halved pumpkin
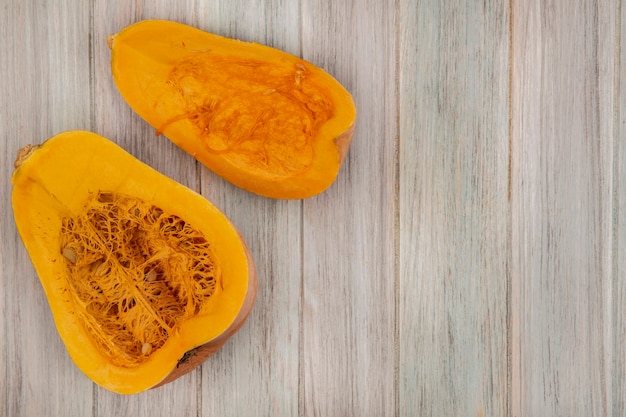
(265, 120)
(144, 277)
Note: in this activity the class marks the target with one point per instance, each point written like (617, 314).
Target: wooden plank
(454, 209)
(257, 371)
(563, 89)
(349, 274)
(113, 118)
(618, 289)
(45, 68)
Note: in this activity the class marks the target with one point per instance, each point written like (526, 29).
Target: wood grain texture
(454, 211)
(348, 313)
(562, 207)
(618, 290)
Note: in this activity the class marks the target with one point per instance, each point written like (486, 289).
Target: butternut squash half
(265, 120)
(144, 277)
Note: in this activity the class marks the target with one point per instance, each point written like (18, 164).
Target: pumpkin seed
(70, 254)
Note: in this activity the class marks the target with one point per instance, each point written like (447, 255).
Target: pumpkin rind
(265, 120)
(58, 182)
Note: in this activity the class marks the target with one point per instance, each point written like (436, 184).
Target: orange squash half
(144, 277)
(265, 120)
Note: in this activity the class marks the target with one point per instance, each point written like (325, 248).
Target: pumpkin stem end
(23, 154)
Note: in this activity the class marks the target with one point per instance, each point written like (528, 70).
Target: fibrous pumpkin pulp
(263, 119)
(144, 277)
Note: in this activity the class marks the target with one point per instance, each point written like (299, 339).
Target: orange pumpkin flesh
(144, 277)
(265, 120)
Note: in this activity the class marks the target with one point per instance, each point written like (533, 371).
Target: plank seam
(396, 212)
(614, 378)
(509, 256)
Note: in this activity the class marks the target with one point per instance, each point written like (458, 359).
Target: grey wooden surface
(468, 261)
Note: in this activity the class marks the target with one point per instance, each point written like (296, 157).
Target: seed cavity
(273, 134)
(136, 272)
